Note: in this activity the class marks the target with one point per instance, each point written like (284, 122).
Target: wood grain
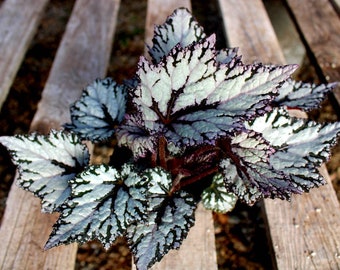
(250, 31)
(319, 27)
(305, 232)
(18, 22)
(82, 56)
(198, 250)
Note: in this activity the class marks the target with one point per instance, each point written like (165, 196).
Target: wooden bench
(304, 233)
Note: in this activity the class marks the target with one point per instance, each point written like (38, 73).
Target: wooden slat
(18, 23)
(198, 249)
(319, 26)
(256, 42)
(305, 231)
(336, 5)
(82, 56)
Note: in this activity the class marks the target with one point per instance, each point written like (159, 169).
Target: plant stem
(193, 179)
(162, 152)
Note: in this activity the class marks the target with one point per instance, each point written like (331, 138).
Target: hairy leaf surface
(301, 145)
(179, 28)
(100, 108)
(217, 198)
(104, 201)
(47, 163)
(170, 218)
(305, 96)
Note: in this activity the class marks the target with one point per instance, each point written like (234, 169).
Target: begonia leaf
(179, 28)
(305, 96)
(301, 145)
(170, 218)
(193, 99)
(247, 171)
(217, 198)
(101, 107)
(136, 136)
(228, 57)
(103, 203)
(46, 164)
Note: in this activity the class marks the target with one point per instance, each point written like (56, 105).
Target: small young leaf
(170, 218)
(305, 96)
(47, 163)
(103, 203)
(302, 145)
(100, 108)
(217, 198)
(179, 28)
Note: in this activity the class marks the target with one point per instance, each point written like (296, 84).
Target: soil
(241, 240)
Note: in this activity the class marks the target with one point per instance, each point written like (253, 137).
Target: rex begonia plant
(194, 124)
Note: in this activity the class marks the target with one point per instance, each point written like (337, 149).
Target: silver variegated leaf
(179, 28)
(248, 173)
(103, 203)
(46, 164)
(301, 145)
(217, 198)
(305, 96)
(197, 100)
(137, 137)
(170, 218)
(228, 57)
(101, 107)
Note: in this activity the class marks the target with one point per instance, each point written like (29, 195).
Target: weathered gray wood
(82, 56)
(18, 22)
(305, 232)
(319, 25)
(198, 249)
(250, 32)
